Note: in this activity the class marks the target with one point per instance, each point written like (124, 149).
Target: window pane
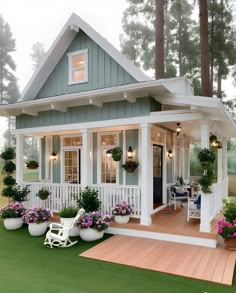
(71, 166)
(108, 168)
(108, 140)
(78, 61)
(78, 75)
(72, 141)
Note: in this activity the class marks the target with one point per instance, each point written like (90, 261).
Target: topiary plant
(9, 180)
(9, 167)
(88, 200)
(8, 154)
(9, 191)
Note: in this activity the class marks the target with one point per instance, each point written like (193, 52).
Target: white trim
(164, 236)
(124, 156)
(48, 163)
(70, 68)
(59, 47)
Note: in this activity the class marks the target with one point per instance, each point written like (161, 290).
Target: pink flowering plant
(227, 229)
(122, 209)
(12, 210)
(37, 215)
(94, 220)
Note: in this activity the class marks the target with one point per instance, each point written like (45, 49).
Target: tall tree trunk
(204, 48)
(219, 83)
(159, 50)
(212, 47)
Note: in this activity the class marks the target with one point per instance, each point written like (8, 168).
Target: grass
(28, 266)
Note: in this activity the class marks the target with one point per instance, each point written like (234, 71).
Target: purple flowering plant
(12, 210)
(122, 209)
(227, 229)
(37, 215)
(94, 220)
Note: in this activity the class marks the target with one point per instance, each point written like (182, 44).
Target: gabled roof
(59, 47)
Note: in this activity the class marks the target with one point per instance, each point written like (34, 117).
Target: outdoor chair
(58, 235)
(194, 208)
(175, 194)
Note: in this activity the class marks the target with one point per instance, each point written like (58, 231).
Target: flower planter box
(122, 219)
(37, 229)
(13, 223)
(90, 234)
(230, 243)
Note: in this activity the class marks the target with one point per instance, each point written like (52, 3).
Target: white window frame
(69, 148)
(70, 68)
(99, 153)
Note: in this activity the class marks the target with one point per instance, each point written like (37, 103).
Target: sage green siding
(132, 140)
(57, 162)
(103, 71)
(169, 168)
(114, 110)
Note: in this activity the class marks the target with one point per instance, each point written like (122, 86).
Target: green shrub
(9, 191)
(68, 212)
(9, 180)
(88, 200)
(8, 154)
(229, 210)
(9, 167)
(21, 193)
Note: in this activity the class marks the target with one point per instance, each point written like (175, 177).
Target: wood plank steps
(197, 262)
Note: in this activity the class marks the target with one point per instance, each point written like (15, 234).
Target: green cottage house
(86, 98)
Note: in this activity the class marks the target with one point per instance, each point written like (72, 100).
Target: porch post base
(205, 227)
(146, 221)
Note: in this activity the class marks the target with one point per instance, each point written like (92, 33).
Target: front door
(157, 175)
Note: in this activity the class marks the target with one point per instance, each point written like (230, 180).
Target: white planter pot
(37, 229)
(89, 234)
(67, 222)
(13, 223)
(122, 219)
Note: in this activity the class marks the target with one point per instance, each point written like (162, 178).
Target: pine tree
(38, 51)
(9, 91)
(159, 40)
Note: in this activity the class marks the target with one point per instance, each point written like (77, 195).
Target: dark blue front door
(157, 175)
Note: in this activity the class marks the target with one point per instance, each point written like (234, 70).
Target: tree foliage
(38, 51)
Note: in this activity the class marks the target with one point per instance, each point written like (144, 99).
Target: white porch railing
(62, 196)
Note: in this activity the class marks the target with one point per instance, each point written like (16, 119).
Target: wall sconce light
(170, 154)
(108, 154)
(178, 128)
(53, 156)
(130, 152)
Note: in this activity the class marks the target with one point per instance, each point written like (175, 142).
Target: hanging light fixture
(178, 128)
(109, 153)
(53, 156)
(130, 152)
(170, 154)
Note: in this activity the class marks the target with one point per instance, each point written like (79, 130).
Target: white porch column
(225, 167)
(205, 225)
(19, 158)
(146, 174)
(85, 163)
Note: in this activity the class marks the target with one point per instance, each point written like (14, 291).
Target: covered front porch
(138, 189)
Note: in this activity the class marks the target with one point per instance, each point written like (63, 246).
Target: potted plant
(92, 225)
(67, 215)
(122, 212)
(43, 193)
(212, 138)
(37, 218)
(88, 199)
(12, 215)
(227, 227)
(32, 164)
(116, 153)
(206, 156)
(130, 166)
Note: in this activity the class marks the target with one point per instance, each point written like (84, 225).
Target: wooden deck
(208, 264)
(169, 227)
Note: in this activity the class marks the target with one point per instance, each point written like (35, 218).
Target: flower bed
(12, 210)
(94, 220)
(122, 209)
(37, 215)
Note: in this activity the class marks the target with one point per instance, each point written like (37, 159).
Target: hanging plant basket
(130, 166)
(32, 165)
(116, 153)
(212, 137)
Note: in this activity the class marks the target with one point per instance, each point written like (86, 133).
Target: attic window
(78, 66)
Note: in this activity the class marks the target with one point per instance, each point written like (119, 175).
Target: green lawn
(28, 266)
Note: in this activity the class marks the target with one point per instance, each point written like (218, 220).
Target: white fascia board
(153, 85)
(59, 47)
(170, 117)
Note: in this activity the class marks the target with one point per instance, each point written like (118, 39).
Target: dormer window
(78, 66)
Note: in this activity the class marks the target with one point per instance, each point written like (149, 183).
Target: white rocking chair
(58, 235)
